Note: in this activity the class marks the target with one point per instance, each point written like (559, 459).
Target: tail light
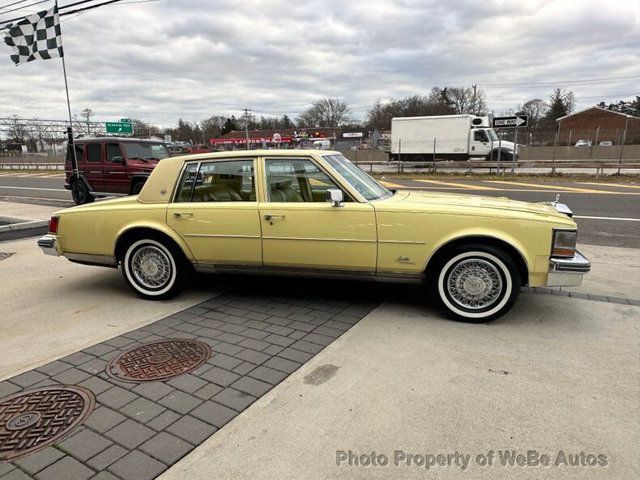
(53, 225)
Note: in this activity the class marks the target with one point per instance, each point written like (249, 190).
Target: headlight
(564, 243)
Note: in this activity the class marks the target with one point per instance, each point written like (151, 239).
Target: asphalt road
(607, 213)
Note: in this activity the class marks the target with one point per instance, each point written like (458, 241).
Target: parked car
(583, 143)
(111, 166)
(606, 143)
(314, 213)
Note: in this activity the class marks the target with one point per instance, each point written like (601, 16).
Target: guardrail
(31, 166)
(501, 167)
(431, 166)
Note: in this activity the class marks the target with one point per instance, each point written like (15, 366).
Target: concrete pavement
(52, 307)
(614, 272)
(555, 374)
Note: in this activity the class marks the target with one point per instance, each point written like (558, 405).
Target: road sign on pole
(123, 128)
(516, 121)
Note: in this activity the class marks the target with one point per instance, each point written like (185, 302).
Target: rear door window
(94, 152)
(80, 152)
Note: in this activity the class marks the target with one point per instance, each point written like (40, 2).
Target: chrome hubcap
(474, 284)
(151, 267)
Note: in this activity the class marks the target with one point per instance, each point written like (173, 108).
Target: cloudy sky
(165, 59)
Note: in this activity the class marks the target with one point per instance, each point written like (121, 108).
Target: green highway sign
(119, 127)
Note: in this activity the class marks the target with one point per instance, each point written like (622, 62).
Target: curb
(21, 224)
(582, 296)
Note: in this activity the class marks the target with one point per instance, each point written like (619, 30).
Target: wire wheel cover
(151, 267)
(474, 283)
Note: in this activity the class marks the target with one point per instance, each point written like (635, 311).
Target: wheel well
(134, 234)
(489, 241)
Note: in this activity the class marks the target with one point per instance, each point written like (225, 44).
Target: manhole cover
(33, 419)
(159, 360)
(4, 255)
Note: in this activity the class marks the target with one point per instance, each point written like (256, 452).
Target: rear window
(80, 152)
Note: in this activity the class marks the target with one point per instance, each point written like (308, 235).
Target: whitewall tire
(476, 283)
(152, 269)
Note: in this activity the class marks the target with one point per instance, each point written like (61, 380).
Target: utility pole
(246, 125)
(475, 111)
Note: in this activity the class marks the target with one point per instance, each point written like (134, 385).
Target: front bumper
(568, 272)
(48, 245)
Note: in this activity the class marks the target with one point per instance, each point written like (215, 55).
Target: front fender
(528, 257)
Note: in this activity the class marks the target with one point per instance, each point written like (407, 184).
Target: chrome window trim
(212, 160)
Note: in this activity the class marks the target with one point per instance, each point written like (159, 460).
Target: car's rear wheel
(475, 283)
(153, 269)
(80, 192)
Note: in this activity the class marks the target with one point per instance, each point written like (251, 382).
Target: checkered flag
(35, 36)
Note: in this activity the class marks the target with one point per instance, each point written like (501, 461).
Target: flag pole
(70, 144)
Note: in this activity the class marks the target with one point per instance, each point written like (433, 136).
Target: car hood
(142, 165)
(462, 202)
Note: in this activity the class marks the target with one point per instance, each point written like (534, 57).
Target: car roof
(213, 156)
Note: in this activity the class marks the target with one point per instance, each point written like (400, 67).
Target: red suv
(112, 166)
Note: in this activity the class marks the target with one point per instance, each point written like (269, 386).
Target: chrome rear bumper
(48, 245)
(568, 272)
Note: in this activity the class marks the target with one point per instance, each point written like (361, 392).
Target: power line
(88, 8)
(585, 81)
(22, 7)
(12, 4)
(6, 22)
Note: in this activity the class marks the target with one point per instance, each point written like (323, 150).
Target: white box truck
(446, 137)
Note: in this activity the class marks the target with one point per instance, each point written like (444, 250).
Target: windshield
(145, 150)
(357, 178)
(492, 135)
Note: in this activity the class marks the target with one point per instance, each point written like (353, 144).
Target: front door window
(296, 180)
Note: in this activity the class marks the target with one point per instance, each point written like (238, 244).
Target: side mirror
(335, 197)
(117, 159)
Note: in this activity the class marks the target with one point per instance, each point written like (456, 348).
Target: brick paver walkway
(139, 430)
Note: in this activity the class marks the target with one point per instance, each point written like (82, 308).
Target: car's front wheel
(153, 269)
(475, 283)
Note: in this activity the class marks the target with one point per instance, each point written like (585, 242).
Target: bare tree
(16, 130)
(436, 103)
(469, 100)
(86, 114)
(535, 110)
(328, 112)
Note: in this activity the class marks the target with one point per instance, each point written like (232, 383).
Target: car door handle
(270, 216)
(183, 214)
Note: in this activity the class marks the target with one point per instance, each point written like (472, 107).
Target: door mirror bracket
(335, 197)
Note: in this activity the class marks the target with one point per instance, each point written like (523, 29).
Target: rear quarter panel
(95, 229)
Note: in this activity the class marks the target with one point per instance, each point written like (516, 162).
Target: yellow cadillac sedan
(314, 213)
